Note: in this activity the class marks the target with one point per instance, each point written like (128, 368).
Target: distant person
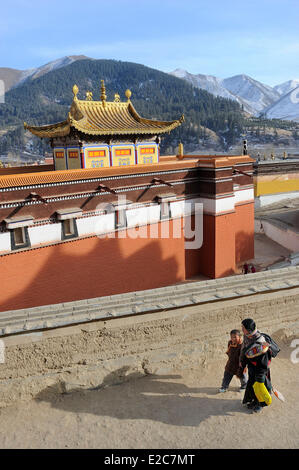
(233, 364)
(256, 353)
(245, 268)
(253, 270)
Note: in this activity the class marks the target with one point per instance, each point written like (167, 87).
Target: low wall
(268, 199)
(285, 237)
(101, 353)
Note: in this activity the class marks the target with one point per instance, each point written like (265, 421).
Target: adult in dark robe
(256, 355)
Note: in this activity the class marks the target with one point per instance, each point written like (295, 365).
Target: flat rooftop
(25, 176)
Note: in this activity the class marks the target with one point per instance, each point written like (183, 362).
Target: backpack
(274, 349)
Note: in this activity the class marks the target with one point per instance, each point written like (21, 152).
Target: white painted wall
(244, 195)
(5, 241)
(44, 234)
(143, 215)
(180, 208)
(217, 206)
(286, 238)
(96, 225)
(266, 200)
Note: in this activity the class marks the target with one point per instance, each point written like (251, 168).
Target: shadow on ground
(158, 398)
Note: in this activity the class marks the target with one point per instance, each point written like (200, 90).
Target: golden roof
(104, 118)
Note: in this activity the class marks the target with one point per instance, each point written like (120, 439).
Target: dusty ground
(180, 409)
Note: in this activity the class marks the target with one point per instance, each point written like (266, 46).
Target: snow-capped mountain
(253, 95)
(206, 82)
(279, 102)
(212, 85)
(13, 77)
(286, 87)
(287, 107)
(55, 64)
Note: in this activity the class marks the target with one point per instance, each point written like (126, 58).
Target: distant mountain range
(256, 98)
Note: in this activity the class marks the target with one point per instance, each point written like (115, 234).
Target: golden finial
(103, 91)
(116, 98)
(128, 94)
(75, 91)
(89, 96)
(180, 151)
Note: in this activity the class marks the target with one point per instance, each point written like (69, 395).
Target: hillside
(155, 95)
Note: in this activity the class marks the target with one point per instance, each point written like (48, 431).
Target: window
(19, 238)
(164, 200)
(120, 216)
(165, 213)
(69, 229)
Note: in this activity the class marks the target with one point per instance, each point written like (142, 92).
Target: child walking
(233, 364)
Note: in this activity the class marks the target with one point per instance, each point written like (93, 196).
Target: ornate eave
(104, 118)
(60, 129)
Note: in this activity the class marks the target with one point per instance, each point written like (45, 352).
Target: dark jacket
(232, 365)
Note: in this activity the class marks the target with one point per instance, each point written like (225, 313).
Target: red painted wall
(217, 255)
(88, 268)
(244, 228)
(95, 267)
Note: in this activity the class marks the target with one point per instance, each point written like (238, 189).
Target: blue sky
(258, 37)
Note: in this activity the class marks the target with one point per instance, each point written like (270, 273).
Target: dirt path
(180, 409)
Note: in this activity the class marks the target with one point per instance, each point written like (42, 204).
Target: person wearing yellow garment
(256, 355)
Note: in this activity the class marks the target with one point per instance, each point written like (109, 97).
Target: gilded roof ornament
(103, 92)
(75, 91)
(128, 94)
(100, 118)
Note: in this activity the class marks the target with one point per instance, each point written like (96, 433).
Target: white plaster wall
(244, 195)
(44, 233)
(5, 241)
(286, 238)
(262, 201)
(217, 206)
(143, 215)
(178, 208)
(96, 225)
(185, 207)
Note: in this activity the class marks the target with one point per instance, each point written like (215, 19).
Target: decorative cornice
(90, 180)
